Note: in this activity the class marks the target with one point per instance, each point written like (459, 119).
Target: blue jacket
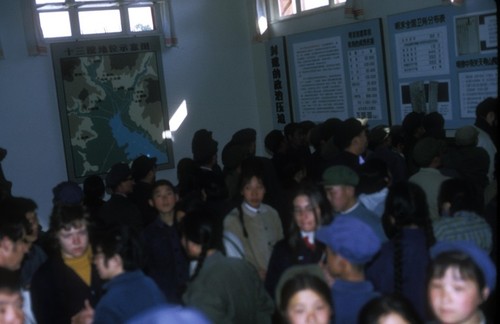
(166, 261)
(349, 298)
(128, 294)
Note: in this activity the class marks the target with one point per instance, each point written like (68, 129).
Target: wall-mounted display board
(112, 103)
(444, 59)
(339, 72)
(277, 65)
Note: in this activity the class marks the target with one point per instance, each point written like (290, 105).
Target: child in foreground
(462, 276)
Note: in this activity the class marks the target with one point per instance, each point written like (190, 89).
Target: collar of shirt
(253, 211)
(309, 235)
(351, 209)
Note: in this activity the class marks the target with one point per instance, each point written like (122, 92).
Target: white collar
(351, 209)
(309, 235)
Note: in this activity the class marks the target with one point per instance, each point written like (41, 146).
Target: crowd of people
(343, 223)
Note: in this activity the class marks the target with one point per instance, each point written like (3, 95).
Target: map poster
(112, 103)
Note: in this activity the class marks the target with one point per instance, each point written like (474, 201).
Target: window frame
(73, 8)
(274, 16)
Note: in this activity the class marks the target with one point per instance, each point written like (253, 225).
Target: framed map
(112, 103)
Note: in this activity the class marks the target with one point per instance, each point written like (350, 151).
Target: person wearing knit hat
(462, 277)
(351, 244)
(339, 183)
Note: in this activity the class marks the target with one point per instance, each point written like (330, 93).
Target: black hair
(93, 188)
(250, 168)
(273, 140)
(13, 221)
(200, 228)
(382, 306)
(373, 176)
(466, 266)
(120, 240)
(462, 194)
(10, 281)
(162, 182)
(486, 106)
(303, 281)
(405, 205)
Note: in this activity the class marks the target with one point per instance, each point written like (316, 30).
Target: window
(90, 18)
(285, 8)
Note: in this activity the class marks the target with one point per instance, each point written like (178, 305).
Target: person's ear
(176, 198)
(490, 117)
(485, 293)
(150, 201)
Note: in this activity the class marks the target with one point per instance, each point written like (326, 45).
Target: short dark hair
(10, 281)
(120, 240)
(385, 305)
(486, 106)
(13, 221)
(462, 194)
(162, 182)
(373, 176)
(466, 266)
(299, 282)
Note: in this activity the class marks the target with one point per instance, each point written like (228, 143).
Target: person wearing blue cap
(461, 278)
(351, 244)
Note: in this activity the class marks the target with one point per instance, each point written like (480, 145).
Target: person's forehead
(9, 296)
(162, 189)
(74, 227)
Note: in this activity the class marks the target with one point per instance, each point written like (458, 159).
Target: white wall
(217, 68)
(211, 68)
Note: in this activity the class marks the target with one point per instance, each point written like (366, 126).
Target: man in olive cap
(144, 173)
(340, 184)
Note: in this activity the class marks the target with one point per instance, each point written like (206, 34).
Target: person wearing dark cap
(486, 124)
(427, 155)
(208, 175)
(380, 147)
(340, 184)
(144, 173)
(350, 245)
(461, 278)
(352, 141)
(67, 193)
(119, 209)
(467, 160)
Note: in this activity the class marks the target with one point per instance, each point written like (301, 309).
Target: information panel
(445, 59)
(339, 72)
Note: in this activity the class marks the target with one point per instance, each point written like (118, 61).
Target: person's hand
(85, 316)
(328, 277)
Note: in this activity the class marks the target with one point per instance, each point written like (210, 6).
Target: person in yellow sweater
(63, 284)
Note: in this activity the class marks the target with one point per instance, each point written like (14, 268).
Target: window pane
(55, 24)
(141, 19)
(287, 7)
(311, 4)
(100, 22)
